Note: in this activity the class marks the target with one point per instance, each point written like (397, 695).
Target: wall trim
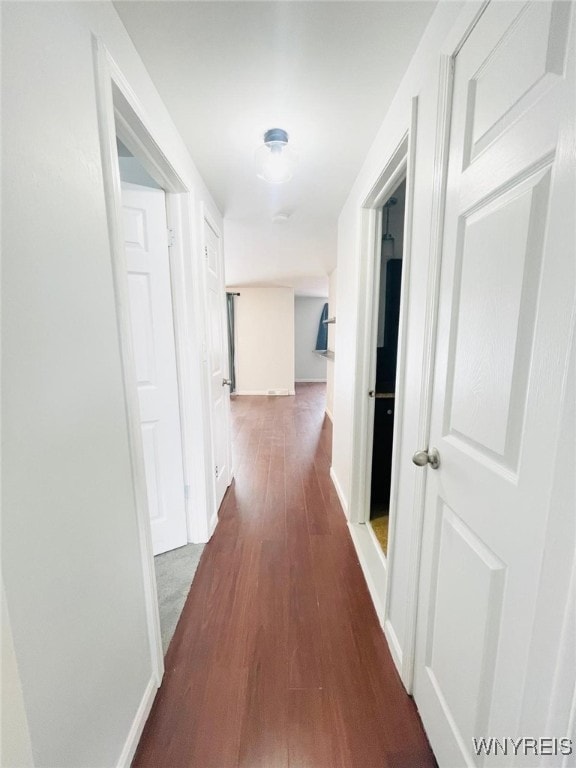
(373, 564)
(338, 488)
(110, 81)
(135, 732)
(399, 443)
(121, 113)
(392, 173)
(212, 525)
(328, 413)
(265, 393)
(393, 643)
(310, 381)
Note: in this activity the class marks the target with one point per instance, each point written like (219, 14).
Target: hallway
(278, 659)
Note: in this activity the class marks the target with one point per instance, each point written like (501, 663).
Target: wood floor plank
(263, 742)
(311, 731)
(278, 660)
(304, 626)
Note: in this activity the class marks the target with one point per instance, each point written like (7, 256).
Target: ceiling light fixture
(275, 159)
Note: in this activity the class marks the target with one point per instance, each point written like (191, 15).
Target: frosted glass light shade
(275, 160)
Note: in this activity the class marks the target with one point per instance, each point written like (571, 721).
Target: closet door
(218, 358)
(507, 295)
(152, 325)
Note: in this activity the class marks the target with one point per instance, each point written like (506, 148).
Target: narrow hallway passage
(278, 659)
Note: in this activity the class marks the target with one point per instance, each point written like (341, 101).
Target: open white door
(507, 293)
(217, 358)
(152, 325)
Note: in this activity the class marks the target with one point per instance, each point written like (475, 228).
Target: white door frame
(188, 314)
(402, 157)
(392, 176)
(121, 114)
(399, 165)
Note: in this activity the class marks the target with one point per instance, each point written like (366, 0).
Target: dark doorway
(386, 356)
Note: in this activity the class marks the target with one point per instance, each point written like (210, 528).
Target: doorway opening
(120, 115)
(384, 392)
(147, 245)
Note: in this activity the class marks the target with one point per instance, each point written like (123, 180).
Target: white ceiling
(324, 71)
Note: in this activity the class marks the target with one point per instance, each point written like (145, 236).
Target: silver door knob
(422, 458)
(226, 382)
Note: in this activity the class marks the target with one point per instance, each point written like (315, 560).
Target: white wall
(333, 312)
(308, 366)
(71, 557)
(264, 322)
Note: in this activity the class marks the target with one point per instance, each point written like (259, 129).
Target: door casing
(401, 160)
(399, 166)
(121, 114)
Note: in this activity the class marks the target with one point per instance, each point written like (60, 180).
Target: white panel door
(507, 294)
(147, 259)
(217, 359)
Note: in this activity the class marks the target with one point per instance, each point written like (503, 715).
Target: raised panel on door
(152, 328)
(497, 271)
(467, 584)
(531, 54)
(507, 292)
(140, 296)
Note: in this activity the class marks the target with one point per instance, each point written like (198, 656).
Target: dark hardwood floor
(278, 659)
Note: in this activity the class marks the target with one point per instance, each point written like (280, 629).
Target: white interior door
(507, 293)
(217, 358)
(147, 259)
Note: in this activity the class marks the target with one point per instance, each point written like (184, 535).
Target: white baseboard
(310, 381)
(265, 392)
(212, 525)
(339, 492)
(138, 724)
(395, 649)
(329, 414)
(373, 565)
